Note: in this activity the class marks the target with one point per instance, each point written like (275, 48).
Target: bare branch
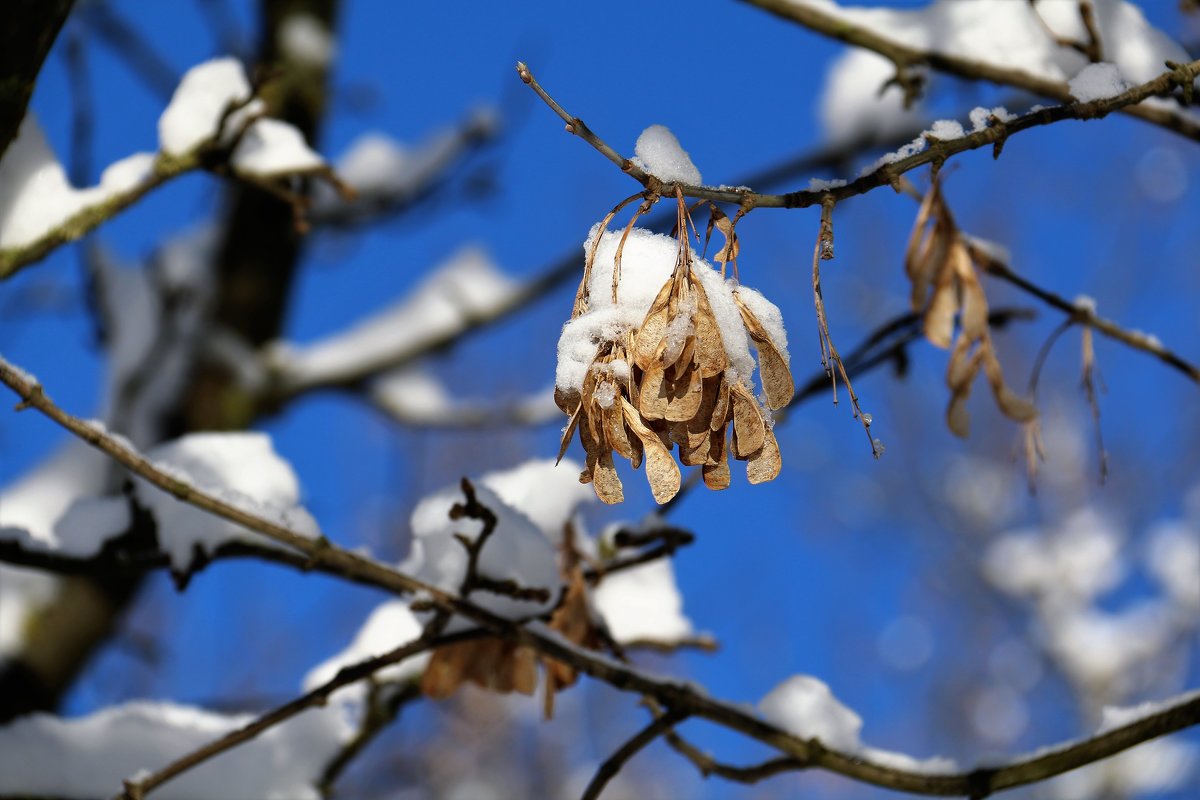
(609, 769)
(138, 789)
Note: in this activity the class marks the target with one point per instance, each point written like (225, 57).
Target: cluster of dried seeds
(945, 285)
(668, 381)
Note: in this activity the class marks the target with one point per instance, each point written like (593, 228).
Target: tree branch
(671, 693)
(612, 765)
(138, 789)
(906, 57)
(935, 152)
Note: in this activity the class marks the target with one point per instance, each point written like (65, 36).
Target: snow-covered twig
(905, 57)
(670, 693)
(934, 150)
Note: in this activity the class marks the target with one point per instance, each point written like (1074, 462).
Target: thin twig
(379, 714)
(612, 765)
(138, 789)
(830, 360)
(710, 766)
(1084, 315)
(935, 151)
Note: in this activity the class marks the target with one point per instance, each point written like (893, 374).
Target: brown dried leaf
(748, 427)
(605, 480)
(661, 470)
(710, 357)
(729, 250)
(614, 431)
(446, 670)
(568, 433)
(1012, 405)
(650, 333)
(765, 464)
(939, 316)
(720, 412)
(716, 473)
(776, 375)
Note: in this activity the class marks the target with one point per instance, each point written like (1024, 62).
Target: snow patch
(658, 152)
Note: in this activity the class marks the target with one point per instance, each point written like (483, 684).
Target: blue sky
(801, 575)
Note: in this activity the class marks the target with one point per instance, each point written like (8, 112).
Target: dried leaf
(729, 250)
(605, 480)
(776, 375)
(654, 325)
(716, 474)
(711, 357)
(720, 412)
(661, 470)
(765, 464)
(568, 433)
(748, 427)
(614, 431)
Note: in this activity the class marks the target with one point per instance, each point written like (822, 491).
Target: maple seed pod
(676, 372)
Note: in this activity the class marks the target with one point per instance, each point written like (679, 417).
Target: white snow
(805, 707)
(205, 94)
(980, 117)
(1078, 562)
(658, 152)
(1173, 558)
(304, 38)
(35, 195)
(530, 515)
(30, 511)
(643, 604)
(647, 261)
(1113, 717)
(468, 285)
(383, 171)
(851, 105)
(413, 393)
(271, 148)
(87, 757)
(240, 468)
(821, 185)
(391, 625)
(1097, 82)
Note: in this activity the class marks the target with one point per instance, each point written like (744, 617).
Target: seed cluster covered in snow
(681, 335)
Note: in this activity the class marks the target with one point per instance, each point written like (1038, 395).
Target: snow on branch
(213, 121)
(997, 43)
(466, 291)
(673, 695)
(929, 148)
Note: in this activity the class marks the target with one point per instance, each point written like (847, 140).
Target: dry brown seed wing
(776, 375)
(720, 412)
(716, 470)
(605, 480)
(765, 464)
(1013, 406)
(748, 424)
(567, 401)
(446, 670)
(568, 432)
(652, 393)
(710, 351)
(654, 325)
(974, 301)
(661, 470)
(614, 431)
(684, 399)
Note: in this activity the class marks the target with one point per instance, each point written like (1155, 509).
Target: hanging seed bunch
(940, 263)
(657, 356)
